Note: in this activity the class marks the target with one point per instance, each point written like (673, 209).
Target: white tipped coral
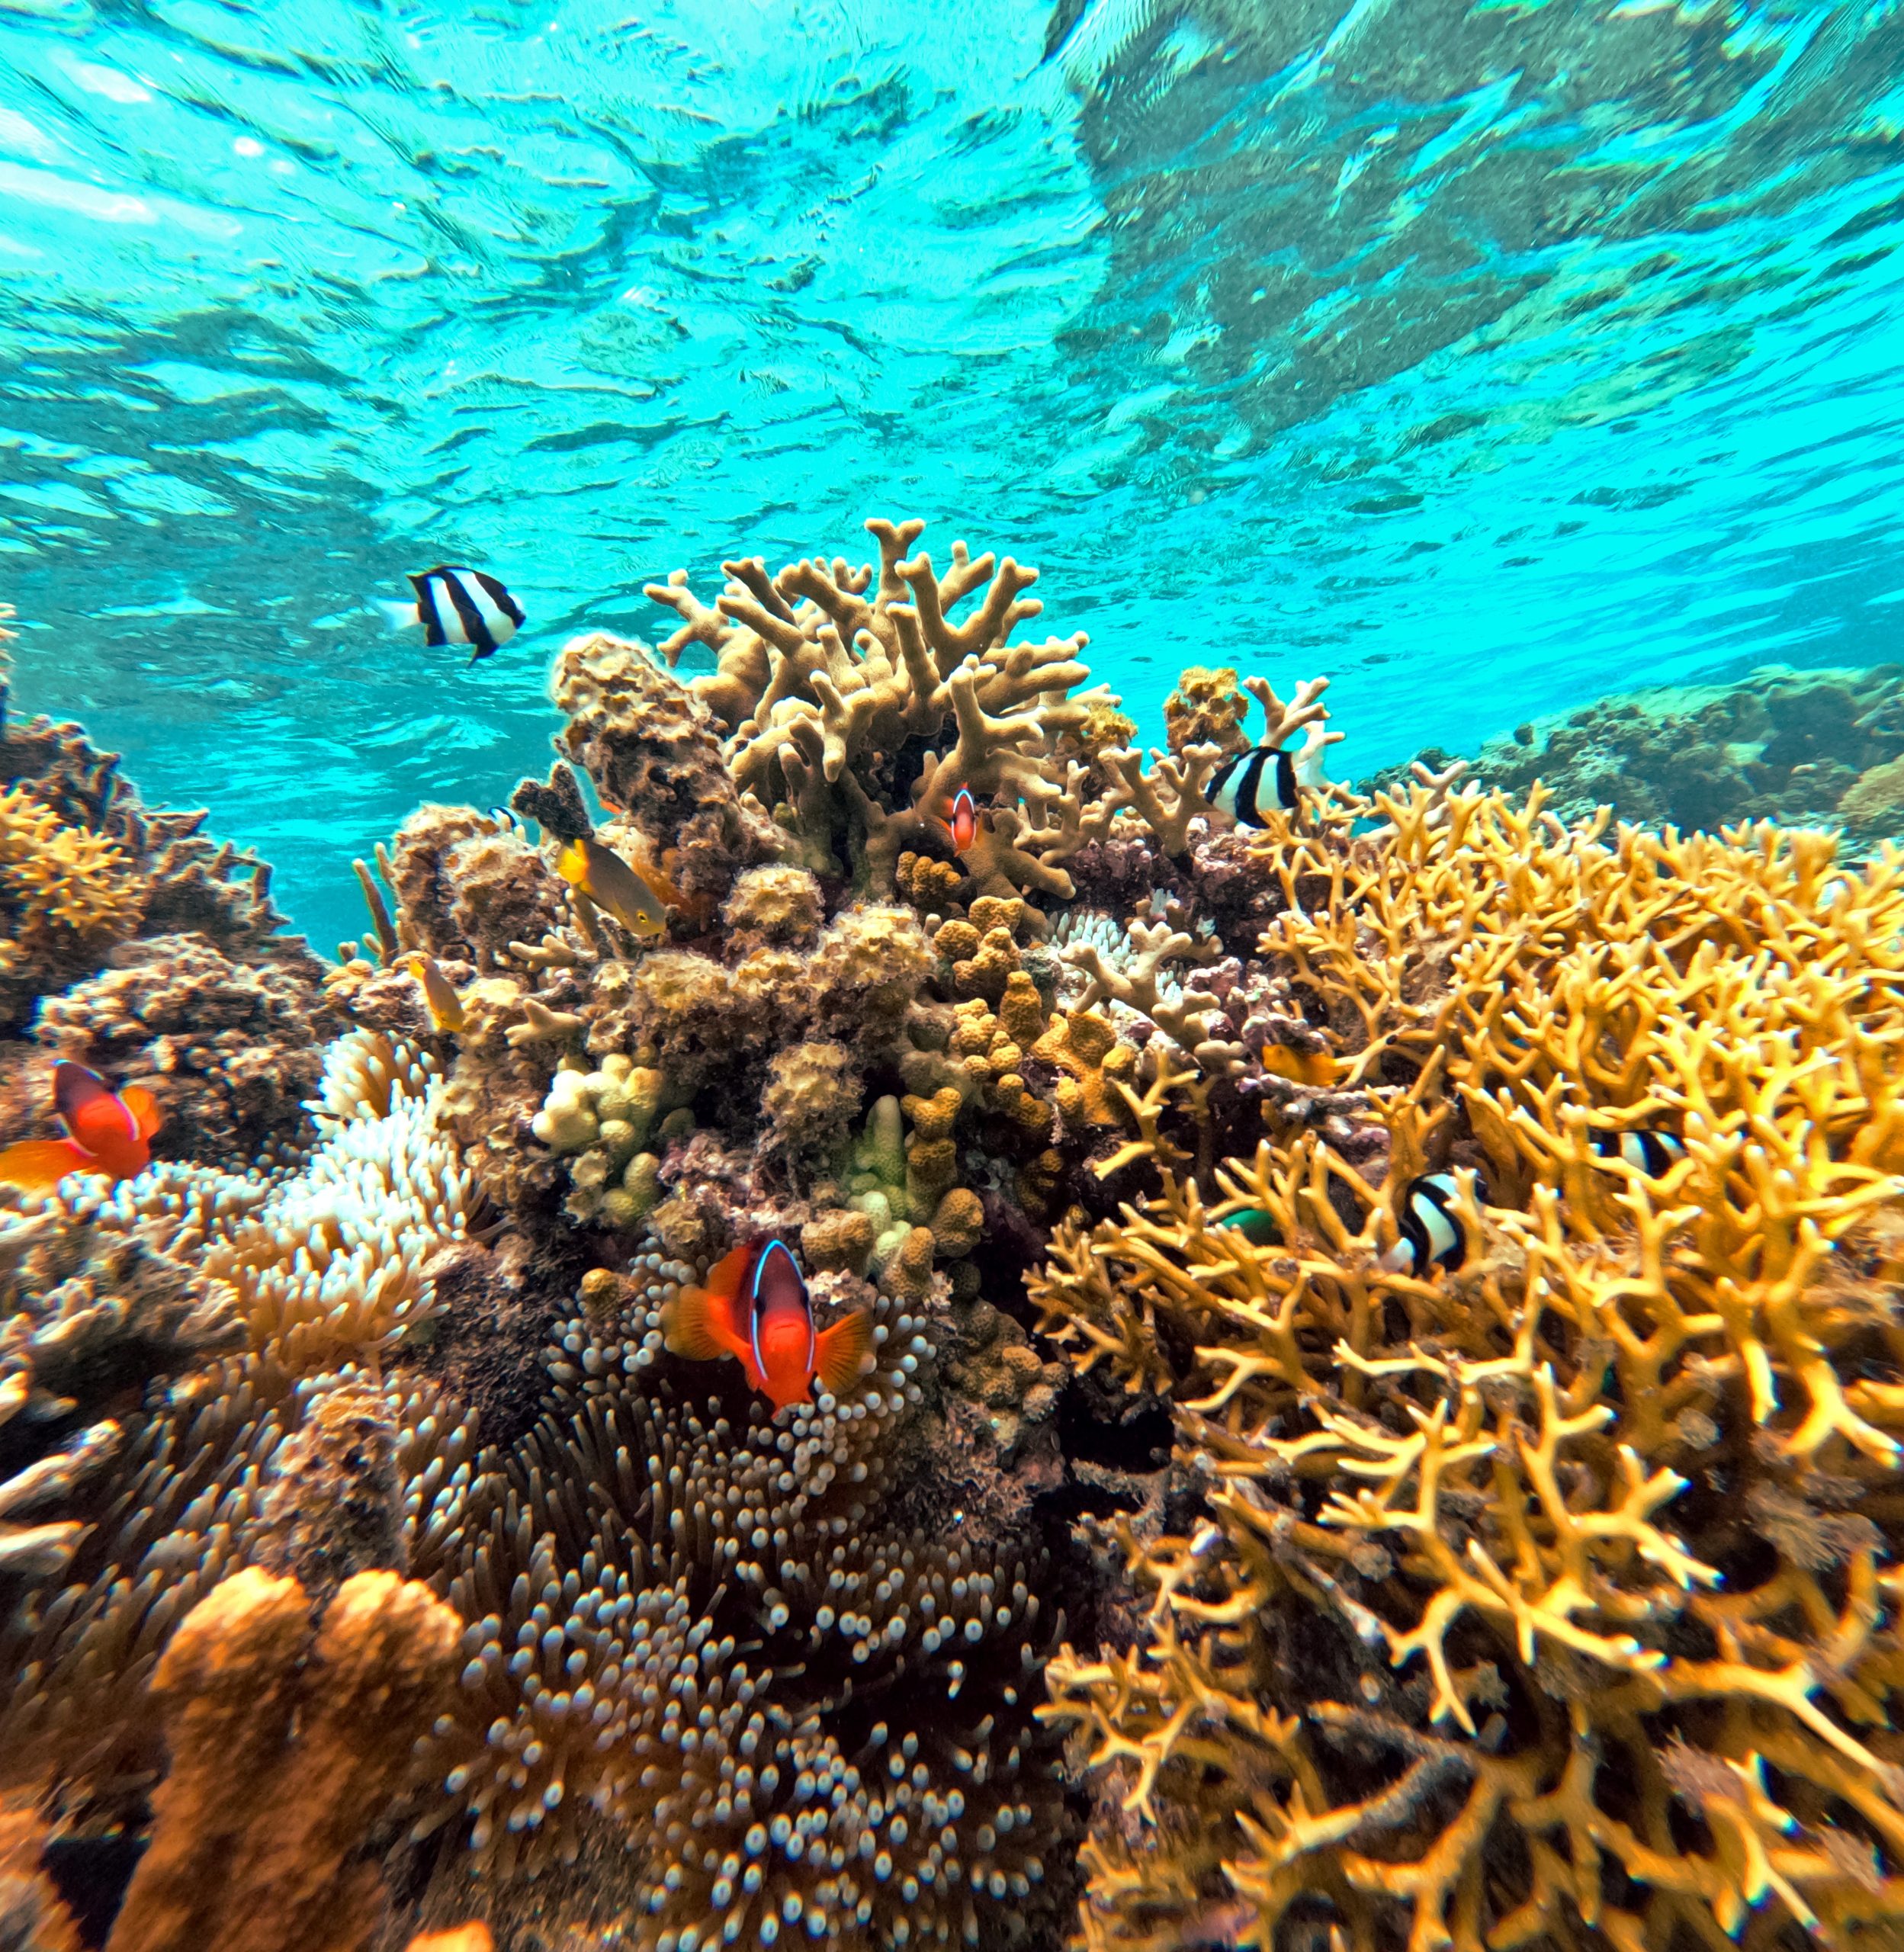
(329, 1260)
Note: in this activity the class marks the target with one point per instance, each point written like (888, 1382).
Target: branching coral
(1552, 1596)
(826, 673)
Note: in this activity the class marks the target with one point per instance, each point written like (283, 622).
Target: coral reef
(1529, 1580)
(283, 1735)
(155, 956)
(1547, 1600)
(1820, 747)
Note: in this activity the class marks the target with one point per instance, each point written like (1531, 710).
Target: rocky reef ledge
(1382, 1425)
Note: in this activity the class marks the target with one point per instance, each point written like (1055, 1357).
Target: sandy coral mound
(1804, 747)
(281, 1734)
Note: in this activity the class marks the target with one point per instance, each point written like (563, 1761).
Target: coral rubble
(1203, 1554)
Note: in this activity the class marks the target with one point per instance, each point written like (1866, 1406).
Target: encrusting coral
(1417, 1278)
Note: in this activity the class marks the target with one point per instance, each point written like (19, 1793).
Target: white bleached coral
(330, 1259)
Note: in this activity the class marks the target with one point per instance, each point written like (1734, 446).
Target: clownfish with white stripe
(1432, 1235)
(107, 1131)
(965, 820)
(1650, 1153)
(455, 603)
(756, 1309)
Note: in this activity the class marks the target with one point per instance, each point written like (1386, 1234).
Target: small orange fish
(107, 1131)
(965, 820)
(1315, 1067)
(445, 1006)
(756, 1309)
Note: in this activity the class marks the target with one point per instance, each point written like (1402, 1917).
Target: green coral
(602, 1120)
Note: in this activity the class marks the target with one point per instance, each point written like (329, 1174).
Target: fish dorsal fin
(75, 1088)
(146, 1116)
(842, 1350)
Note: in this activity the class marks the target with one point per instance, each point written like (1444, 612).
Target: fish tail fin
(840, 1352)
(572, 863)
(397, 616)
(699, 1324)
(38, 1165)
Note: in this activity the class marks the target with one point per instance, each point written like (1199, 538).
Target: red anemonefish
(965, 820)
(107, 1131)
(756, 1308)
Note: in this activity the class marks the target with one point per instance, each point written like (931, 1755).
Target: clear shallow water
(1487, 357)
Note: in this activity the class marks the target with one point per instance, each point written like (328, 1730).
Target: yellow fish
(1315, 1067)
(612, 885)
(446, 1006)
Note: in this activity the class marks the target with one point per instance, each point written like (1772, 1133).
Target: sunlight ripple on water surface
(1488, 357)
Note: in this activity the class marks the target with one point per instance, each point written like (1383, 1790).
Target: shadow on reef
(1386, 1354)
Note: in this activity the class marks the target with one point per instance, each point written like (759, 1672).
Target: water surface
(1488, 357)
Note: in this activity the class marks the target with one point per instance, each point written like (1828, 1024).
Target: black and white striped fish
(1648, 1152)
(455, 603)
(1432, 1235)
(1247, 784)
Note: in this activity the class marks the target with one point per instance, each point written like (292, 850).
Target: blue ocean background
(1487, 357)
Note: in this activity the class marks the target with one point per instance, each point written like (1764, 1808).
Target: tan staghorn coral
(287, 1742)
(1546, 1598)
(825, 673)
(1191, 1018)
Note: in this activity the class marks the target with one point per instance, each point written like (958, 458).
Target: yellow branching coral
(1552, 1599)
(827, 670)
(53, 876)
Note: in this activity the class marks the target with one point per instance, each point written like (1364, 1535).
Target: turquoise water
(1488, 358)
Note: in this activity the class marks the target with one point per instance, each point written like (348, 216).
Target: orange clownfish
(965, 820)
(756, 1308)
(107, 1131)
